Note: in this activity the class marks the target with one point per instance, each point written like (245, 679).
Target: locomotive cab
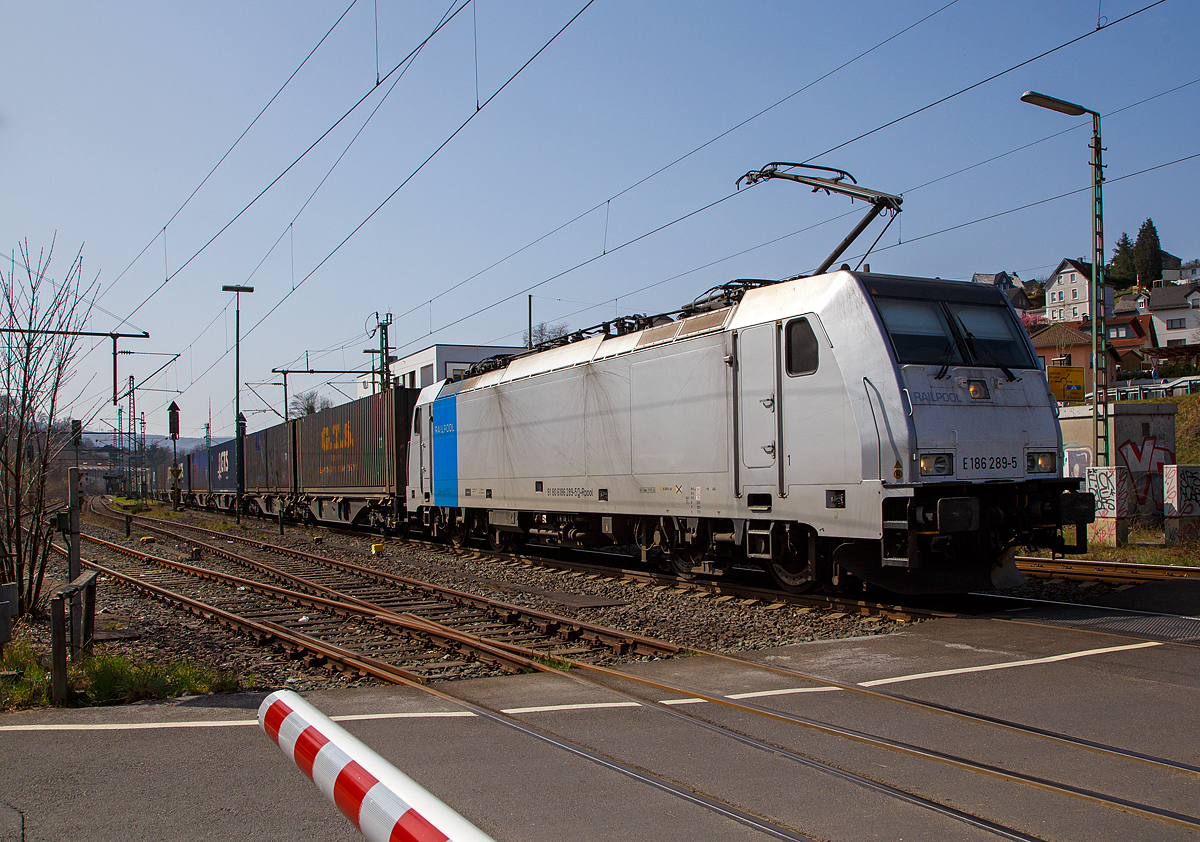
(983, 468)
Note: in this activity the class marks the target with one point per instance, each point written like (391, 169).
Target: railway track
(317, 580)
(721, 589)
(457, 620)
(1105, 571)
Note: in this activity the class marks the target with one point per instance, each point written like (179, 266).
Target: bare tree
(543, 332)
(307, 403)
(39, 316)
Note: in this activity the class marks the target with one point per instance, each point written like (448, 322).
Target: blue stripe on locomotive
(444, 413)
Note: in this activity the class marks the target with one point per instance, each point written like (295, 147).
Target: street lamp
(1099, 335)
(240, 423)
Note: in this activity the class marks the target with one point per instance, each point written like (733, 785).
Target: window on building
(1176, 324)
(1042, 363)
(1075, 313)
(1074, 294)
(1176, 343)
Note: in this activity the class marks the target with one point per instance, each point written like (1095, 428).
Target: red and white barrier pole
(381, 801)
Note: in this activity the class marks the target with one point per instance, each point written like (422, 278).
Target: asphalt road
(200, 768)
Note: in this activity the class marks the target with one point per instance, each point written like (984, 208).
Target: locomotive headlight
(937, 464)
(978, 390)
(1041, 463)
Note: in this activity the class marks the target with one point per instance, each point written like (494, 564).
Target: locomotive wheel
(791, 574)
(681, 560)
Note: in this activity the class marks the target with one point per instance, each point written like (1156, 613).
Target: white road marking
(130, 726)
(592, 706)
(230, 723)
(784, 692)
(1007, 664)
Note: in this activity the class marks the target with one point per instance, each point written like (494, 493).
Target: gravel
(148, 629)
(144, 628)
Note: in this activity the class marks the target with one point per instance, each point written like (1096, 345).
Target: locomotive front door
(758, 361)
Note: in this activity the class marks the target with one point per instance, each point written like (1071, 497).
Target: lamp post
(1099, 334)
(240, 423)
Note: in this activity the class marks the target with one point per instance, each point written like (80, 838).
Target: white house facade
(1068, 293)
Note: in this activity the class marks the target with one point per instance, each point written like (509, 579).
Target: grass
(1145, 547)
(104, 679)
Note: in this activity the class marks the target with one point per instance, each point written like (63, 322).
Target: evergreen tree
(1147, 254)
(1121, 271)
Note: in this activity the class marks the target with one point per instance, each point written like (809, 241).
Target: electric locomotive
(896, 429)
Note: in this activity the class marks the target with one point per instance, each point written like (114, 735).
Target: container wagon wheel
(500, 541)
(458, 532)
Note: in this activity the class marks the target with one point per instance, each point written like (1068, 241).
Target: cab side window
(417, 422)
(800, 344)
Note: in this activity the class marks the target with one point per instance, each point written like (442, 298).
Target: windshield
(919, 331)
(992, 335)
(953, 333)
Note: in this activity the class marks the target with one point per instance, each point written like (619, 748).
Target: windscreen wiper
(977, 349)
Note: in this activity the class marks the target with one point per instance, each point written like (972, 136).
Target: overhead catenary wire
(289, 167)
(420, 167)
(232, 146)
(981, 82)
(901, 118)
(891, 246)
(810, 159)
(607, 202)
(289, 230)
(411, 175)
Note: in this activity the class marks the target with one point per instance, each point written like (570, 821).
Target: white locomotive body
(894, 428)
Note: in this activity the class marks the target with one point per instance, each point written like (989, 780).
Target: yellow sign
(1066, 382)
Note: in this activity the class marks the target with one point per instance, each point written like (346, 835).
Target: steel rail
(450, 639)
(1090, 745)
(1111, 801)
(395, 675)
(265, 629)
(618, 641)
(872, 784)
(897, 746)
(1105, 571)
(811, 600)
(958, 713)
(1115, 802)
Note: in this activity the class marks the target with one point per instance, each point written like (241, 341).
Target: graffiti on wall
(1112, 489)
(1181, 490)
(1145, 463)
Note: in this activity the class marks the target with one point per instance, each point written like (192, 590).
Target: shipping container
(268, 461)
(358, 447)
(197, 472)
(222, 467)
(351, 460)
(160, 483)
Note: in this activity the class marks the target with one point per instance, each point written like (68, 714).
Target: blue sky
(112, 113)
